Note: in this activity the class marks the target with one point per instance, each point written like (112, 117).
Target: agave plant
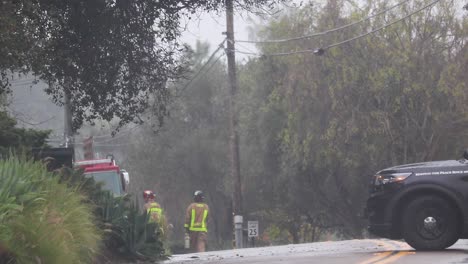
(126, 229)
(41, 219)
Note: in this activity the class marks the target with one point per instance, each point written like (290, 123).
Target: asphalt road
(368, 251)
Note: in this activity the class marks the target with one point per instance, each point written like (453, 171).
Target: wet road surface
(367, 251)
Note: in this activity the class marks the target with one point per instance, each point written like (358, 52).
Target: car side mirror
(125, 179)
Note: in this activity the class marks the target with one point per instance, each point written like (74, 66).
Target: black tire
(452, 242)
(430, 223)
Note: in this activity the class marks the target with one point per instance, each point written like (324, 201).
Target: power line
(320, 51)
(36, 123)
(245, 47)
(207, 71)
(102, 143)
(111, 145)
(125, 132)
(214, 63)
(121, 134)
(23, 80)
(220, 46)
(382, 27)
(276, 54)
(324, 32)
(250, 52)
(19, 83)
(77, 140)
(99, 143)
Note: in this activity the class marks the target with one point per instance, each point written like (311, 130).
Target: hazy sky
(208, 27)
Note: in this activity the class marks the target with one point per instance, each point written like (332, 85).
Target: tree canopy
(112, 57)
(19, 139)
(391, 98)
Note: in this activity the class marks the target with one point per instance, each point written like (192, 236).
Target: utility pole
(234, 139)
(68, 126)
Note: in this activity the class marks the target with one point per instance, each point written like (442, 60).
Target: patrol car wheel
(430, 223)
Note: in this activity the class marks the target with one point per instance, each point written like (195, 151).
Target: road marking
(400, 244)
(393, 258)
(391, 254)
(378, 256)
(386, 257)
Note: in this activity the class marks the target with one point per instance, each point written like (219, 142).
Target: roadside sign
(252, 228)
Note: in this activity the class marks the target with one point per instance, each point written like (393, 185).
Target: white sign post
(252, 228)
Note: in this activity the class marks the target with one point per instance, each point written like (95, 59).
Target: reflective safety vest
(197, 214)
(155, 212)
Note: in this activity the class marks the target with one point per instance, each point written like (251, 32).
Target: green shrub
(126, 232)
(124, 228)
(41, 219)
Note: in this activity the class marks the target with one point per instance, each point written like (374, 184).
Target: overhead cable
(323, 49)
(244, 46)
(324, 32)
(113, 145)
(382, 27)
(20, 80)
(214, 63)
(275, 54)
(124, 132)
(220, 46)
(127, 131)
(199, 72)
(112, 137)
(206, 72)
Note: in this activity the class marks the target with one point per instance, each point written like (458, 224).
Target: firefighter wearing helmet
(196, 217)
(155, 212)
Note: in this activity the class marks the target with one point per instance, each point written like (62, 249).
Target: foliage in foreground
(126, 233)
(124, 228)
(41, 219)
(67, 218)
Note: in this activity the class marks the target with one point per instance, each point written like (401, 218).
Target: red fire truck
(108, 173)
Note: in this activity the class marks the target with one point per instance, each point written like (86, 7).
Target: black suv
(424, 203)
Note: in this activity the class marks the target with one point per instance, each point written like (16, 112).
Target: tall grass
(41, 219)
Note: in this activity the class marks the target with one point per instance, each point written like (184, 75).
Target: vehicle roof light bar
(93, 162)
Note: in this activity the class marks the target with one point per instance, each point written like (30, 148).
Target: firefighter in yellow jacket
(196, 217)
(155, 212)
